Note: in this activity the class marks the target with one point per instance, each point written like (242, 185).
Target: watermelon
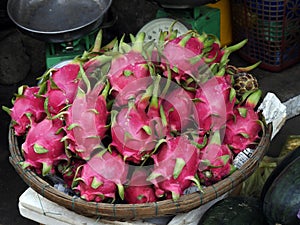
(281, 192)
(235, 210)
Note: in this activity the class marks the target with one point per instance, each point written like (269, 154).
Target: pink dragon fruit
(100, 178)
(43, 147)
(139, 190)
(28, 107)
(62, 87)
(139, 90)
(129, 66)
(215, 161)
(175, 167)
(86, 122)
(138, 127)
(215, 100)
(242, 130)
(184, 56)
(178, 107)
(132, 134)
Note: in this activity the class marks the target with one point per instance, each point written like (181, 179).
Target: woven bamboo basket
(129, 212)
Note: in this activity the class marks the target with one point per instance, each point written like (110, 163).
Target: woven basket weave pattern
(137, 211)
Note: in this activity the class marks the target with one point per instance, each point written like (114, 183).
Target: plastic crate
(272, 28)
(202, 19)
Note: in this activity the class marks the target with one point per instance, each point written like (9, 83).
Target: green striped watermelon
(281, 192)
(236, 210)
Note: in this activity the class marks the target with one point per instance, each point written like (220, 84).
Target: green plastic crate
(202, 19)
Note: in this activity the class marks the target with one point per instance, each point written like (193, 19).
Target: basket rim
(122, 212)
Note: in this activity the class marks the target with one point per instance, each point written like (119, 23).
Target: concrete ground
(16, 47)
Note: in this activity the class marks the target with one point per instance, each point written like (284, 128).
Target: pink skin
(66, 80)
(213, 167)
(87, 192)
(140, 194)
(89, 113)
(193, 44)
(109, 170)
(27, 104)
(133, 90)
(178, 57)
(44, 134)
(111, 166)
(56, 100)
(128, 136)
(164, 164)
(126, 69)
(178, 107)
(65, 89)
(178, 53)
(214, 106)
(242, 132)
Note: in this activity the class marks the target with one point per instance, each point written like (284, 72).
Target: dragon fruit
(43, 148)
(243, 129)
(178, 107)
(138, 127)
(215, 161)
(184, 56)
(139, 190)
(161, 108)
(132, 134)
(62, 87)
(215, 100)
(100, 178)
(28, 107)
(86, 122)
(129, 66)
(175, 167)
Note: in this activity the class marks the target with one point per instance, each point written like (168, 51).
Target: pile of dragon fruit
(138, 122)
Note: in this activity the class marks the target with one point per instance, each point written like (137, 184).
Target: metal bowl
(57, 21)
